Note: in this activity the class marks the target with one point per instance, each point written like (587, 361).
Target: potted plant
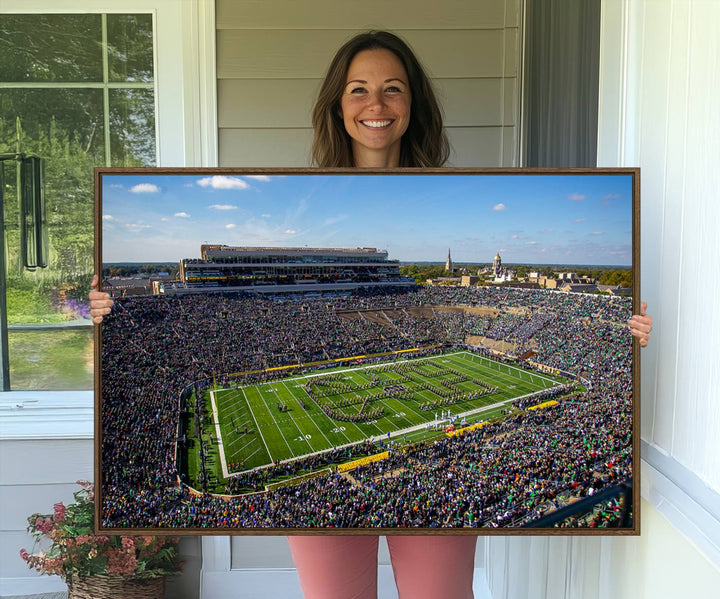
(98, 566)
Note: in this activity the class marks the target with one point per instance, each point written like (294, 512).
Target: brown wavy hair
(424, 144)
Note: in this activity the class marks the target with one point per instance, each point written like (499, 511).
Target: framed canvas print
(362, 352)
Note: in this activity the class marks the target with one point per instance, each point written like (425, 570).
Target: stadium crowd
(502, 474)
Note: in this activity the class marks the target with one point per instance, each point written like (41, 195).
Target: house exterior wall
(659, 84)
(271, 58)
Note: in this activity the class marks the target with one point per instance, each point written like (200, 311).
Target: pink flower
(59, 509)
(25, 555)
(53, 565)
(128, 543)
(145, 540)
(44, 526)
(82, 539)
(121, 562)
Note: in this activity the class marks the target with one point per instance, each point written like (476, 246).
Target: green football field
(401, 401)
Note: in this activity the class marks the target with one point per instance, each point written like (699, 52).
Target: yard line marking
(235, 440)
(258, 428)
(221, 449)
(533, 373)
(244, 408)
(246, 457)
(295, 424)
(311, 420)
(500, 376)
(262, 397)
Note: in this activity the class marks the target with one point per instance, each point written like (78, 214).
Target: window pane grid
(83, 87)
(77, 85)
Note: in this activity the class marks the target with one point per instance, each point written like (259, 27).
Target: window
(77, 90)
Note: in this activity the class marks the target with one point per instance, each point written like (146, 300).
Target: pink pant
(425, 567)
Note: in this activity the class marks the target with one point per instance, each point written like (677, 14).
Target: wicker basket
(116, 587)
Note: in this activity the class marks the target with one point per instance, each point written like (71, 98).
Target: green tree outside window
(77, 90)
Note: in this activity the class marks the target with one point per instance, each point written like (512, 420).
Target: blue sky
(540, 219)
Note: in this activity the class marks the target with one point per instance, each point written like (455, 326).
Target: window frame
(184, 38)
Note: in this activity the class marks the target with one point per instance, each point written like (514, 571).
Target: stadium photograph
(421, 351)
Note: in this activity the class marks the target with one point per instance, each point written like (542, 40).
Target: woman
(377, 109)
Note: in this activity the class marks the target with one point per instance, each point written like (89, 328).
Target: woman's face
(375, 107)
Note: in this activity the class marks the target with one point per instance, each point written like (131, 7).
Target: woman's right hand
(100, 302)
(641, 325)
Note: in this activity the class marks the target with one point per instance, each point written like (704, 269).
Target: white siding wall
(660, 84)
(271, 57)
(45, 447)
(672, 131)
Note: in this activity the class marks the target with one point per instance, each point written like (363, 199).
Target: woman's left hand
(641, 325)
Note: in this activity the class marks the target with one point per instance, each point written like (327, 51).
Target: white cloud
(611, 196)
(545, 231)
(137, 227)
(598, 233)
(164, 219)
(531, 243)
(580, 220)
(576, 197)
(145, 188)
(223, 207)
(499, 207)
(258, 177)
(108, 217)
(222, 182)
(265, 215)
(290, 232)
(230, 226)
(181, 215)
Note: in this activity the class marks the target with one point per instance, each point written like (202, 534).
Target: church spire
(448, 263)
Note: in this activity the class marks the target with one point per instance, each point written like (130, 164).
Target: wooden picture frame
(293, 378)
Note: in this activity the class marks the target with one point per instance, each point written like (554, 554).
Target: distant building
(520, 284)
(504, 276)
(579, 287)
(548, 283)
(445, 281)
(497, 265)
(123, 287)
(225, 266)
(448, 263)
(615, 290)
(467, 281)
